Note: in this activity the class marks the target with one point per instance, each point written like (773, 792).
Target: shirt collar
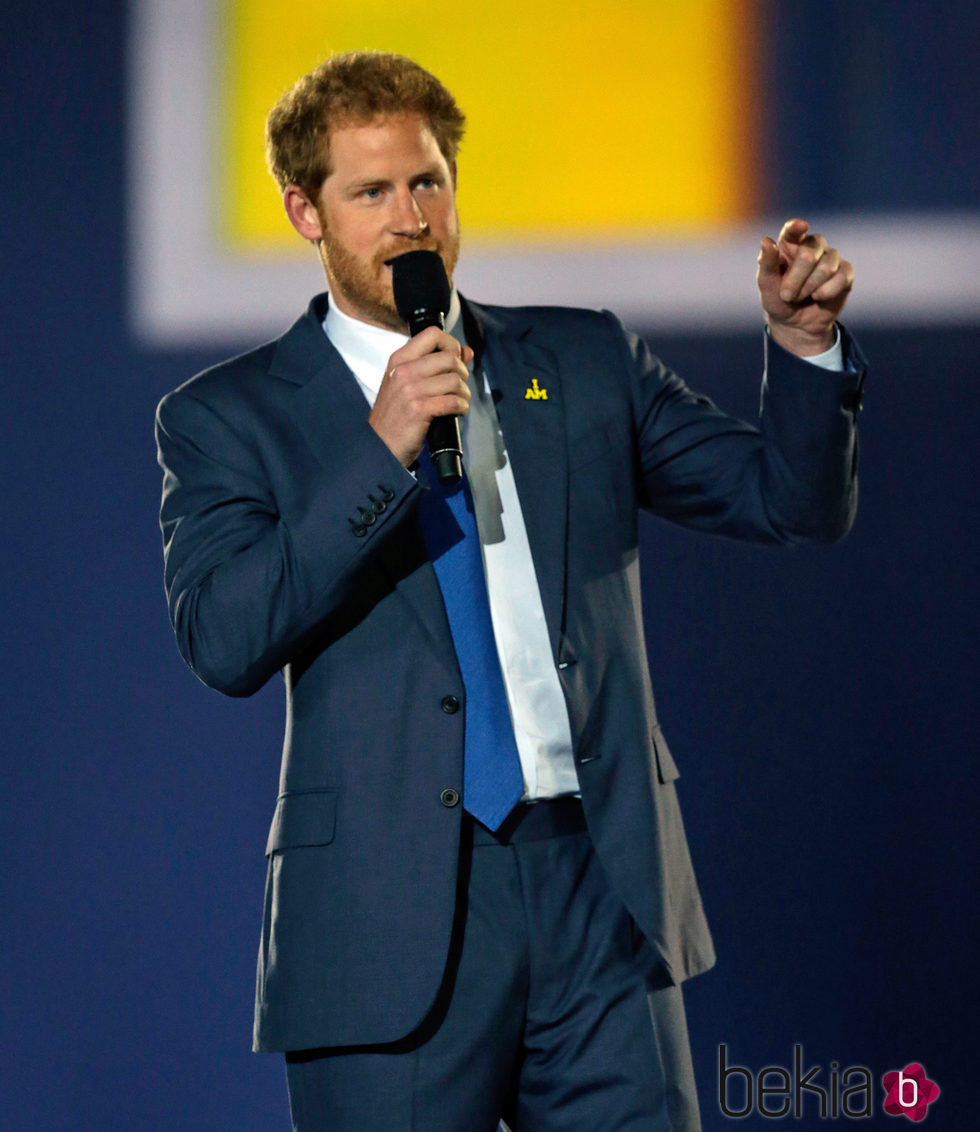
(366, 348)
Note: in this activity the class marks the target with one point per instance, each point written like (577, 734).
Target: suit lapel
(329, 406)
(527, 393)
(331, 409)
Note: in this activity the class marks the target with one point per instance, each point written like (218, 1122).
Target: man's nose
(409, 219)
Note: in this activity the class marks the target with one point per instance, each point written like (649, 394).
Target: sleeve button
(450, 705)
(358, 530)
(449, 798)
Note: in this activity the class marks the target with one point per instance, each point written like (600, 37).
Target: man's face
(390, 191)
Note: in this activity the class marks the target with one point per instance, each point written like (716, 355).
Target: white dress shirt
(534, 695)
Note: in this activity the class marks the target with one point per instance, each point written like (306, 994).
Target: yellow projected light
(585, 121)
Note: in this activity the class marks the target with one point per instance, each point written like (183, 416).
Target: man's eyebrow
(366, 183)
(432, 173)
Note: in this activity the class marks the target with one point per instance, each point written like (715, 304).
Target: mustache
(423, 245)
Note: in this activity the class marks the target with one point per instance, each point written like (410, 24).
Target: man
(426, 963)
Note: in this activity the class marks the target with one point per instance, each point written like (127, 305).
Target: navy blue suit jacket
(269, 466)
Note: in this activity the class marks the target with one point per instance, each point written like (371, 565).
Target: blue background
(828, 777)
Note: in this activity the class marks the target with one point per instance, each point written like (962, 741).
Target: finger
(415, 382)
(825, 269)
(768, 258)
(429, 365)
(839, 284)
(793, 231)
(425, 342)
(449, 405)
(406, 366)
(437, 399)
(802, 260)
(443, 381)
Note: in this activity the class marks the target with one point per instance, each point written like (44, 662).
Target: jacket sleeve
(791, 479)
(245, 582)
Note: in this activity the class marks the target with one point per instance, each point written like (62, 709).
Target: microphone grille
(419, 282)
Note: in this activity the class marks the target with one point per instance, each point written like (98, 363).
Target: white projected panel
(186, 286)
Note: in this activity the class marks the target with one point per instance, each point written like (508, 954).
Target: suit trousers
(545, 1020)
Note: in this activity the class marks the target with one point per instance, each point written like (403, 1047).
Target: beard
(366, 283)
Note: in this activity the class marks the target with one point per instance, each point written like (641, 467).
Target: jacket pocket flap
(666, 767)
(305, 817)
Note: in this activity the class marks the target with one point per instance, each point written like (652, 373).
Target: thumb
(768, 258)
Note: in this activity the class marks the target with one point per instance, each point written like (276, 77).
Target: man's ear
(302, 213)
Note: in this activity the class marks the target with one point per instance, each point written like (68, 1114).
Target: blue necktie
(493, 782)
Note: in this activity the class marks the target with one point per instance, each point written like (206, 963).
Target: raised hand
(803, 285)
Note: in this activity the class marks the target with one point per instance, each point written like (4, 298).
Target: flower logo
(909, 1092)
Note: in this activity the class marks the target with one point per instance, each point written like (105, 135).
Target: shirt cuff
(832, 359)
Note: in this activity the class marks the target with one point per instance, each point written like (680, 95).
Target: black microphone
(422, 296)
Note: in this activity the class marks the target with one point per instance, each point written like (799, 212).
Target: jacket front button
(450, 705)
(449, 798)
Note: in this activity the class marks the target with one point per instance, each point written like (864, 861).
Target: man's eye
(372, 193)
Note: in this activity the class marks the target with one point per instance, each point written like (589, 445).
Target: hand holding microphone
(424, 390)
